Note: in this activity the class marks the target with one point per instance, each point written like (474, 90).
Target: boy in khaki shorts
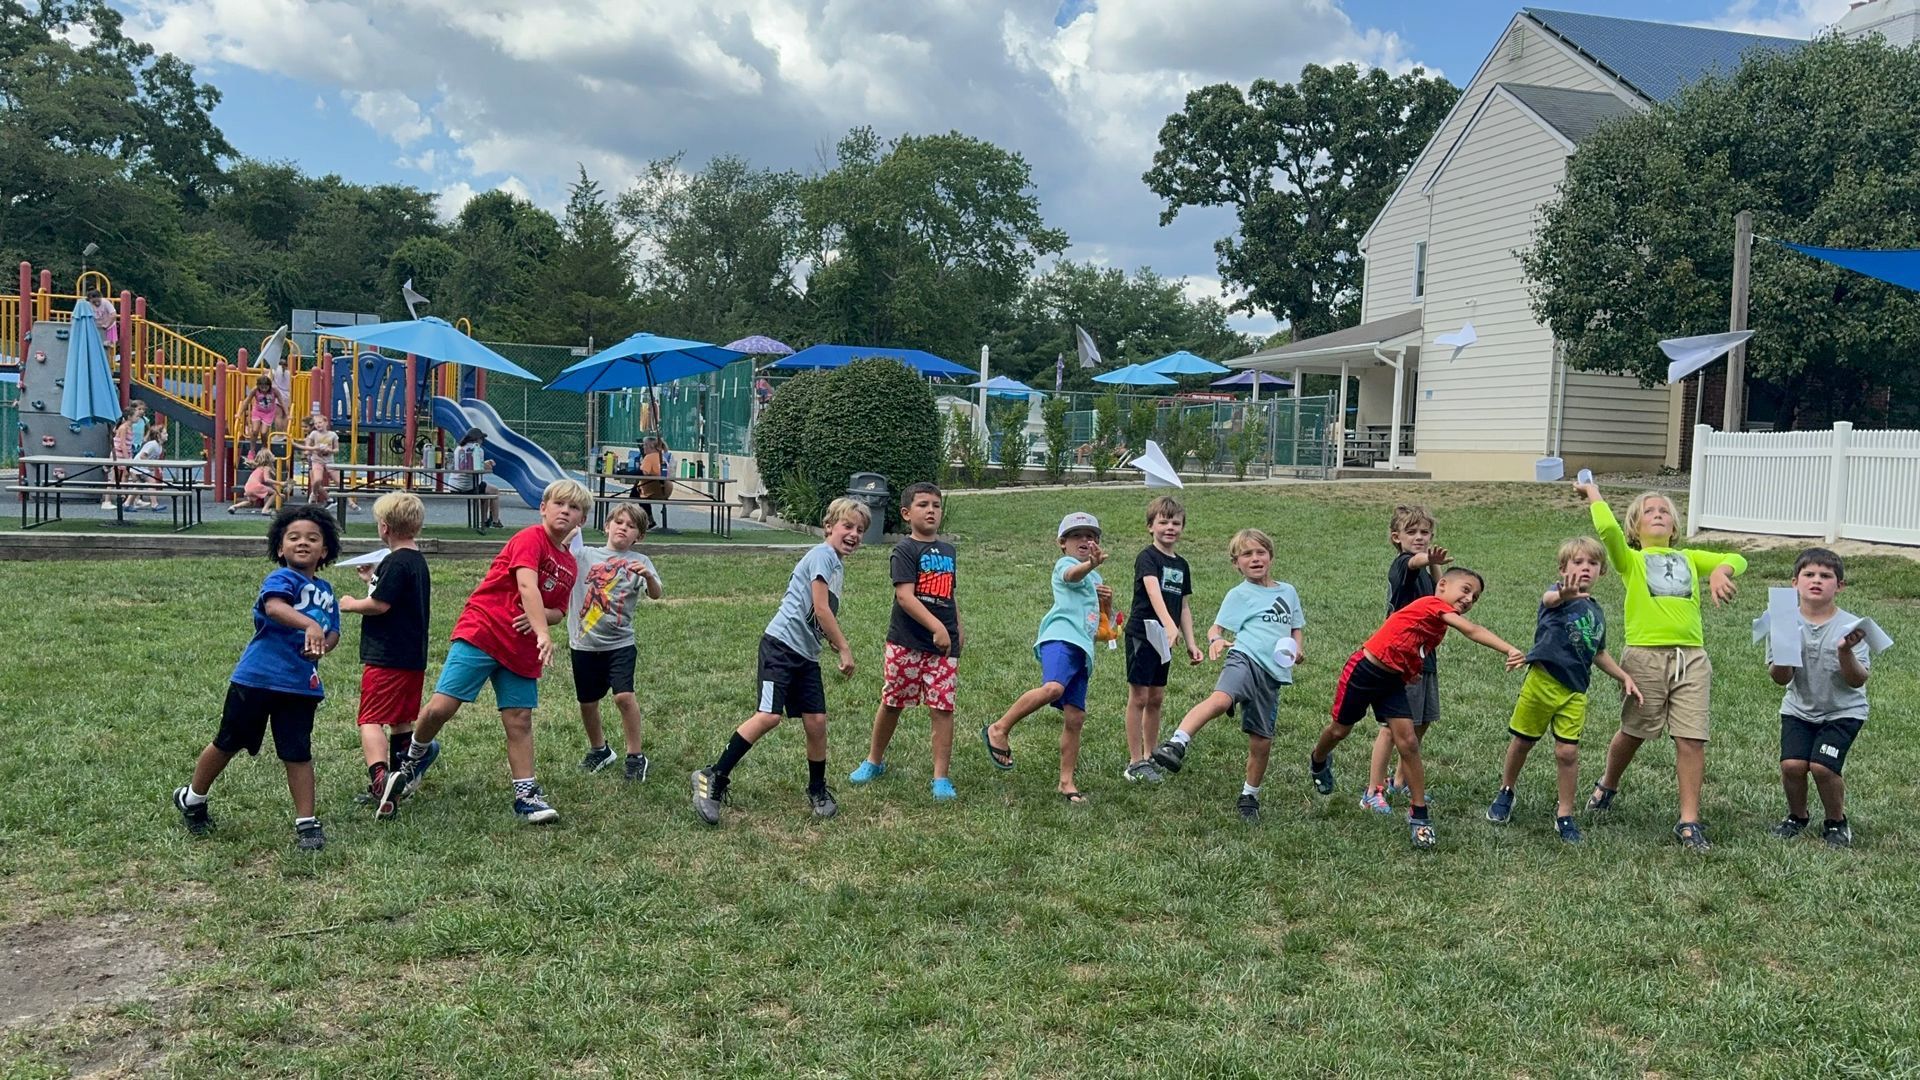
(1665, 654)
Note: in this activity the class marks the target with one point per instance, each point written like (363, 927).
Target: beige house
(1445, 252)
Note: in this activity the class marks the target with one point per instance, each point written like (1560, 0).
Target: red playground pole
(217, 446)
(124, 316)
(413, 403)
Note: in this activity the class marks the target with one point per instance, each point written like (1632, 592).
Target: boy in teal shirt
(1064, 647)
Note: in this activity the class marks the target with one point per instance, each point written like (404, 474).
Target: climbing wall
(43, 369)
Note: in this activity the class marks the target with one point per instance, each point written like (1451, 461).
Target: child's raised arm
(1480, 635)
(1604, 523)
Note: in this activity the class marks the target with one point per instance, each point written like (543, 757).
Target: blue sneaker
(1322, 775)
(867, 771)
(1568, 830)
(403, 781)
(534, 809)
(1502, 807)
(943, 790)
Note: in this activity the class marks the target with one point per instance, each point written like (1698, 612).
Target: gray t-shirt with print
(794, 624)
(1819, 692)
(606, 590)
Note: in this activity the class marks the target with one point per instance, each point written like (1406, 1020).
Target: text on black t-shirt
(928, 566)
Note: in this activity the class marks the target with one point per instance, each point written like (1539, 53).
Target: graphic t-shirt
(467, 456)
(486, 622)
(1566, 639)
(1404, 640)
(928, 566)
(1818, 692)
(398, 637)
(1405, 585)
(1663, 584)
(794, 624)
(1075, 614)
(609, 588)
(272, 660)
(1176, 584)
(1258, 616)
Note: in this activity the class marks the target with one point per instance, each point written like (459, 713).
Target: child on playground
(1665, 651)
(789, 664)
(1377, 674)
(501, 637)
(321, 444)
(1417, 565)
(393, 641)
(468, 460)
(922, 656)
(1267, 627)
(149, 476)
(123, 447)
(1569, 639)
(1064, 647)
(607, 585)
(1161, 585)
(263, 410)
(1826, 702)
(261, 490)
(276, 684)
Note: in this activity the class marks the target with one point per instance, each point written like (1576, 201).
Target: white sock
(193, 798)
(1180, 738)
(1249, 789)
(299, 821)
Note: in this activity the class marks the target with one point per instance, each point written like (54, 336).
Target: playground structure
(375, 402)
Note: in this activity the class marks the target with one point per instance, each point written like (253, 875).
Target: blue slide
(518, 461)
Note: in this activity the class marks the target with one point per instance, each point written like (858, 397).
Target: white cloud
(319, 103)
(452, 199)
(1782, 18)
(392, 114)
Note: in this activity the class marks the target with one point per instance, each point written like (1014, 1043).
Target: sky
(465, 96)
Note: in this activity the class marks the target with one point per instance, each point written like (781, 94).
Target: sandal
(1002, 759)
(1074, 798)
(1422, 834)
(1602, 797)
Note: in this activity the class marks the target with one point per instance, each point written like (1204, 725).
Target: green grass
(1147, 933)
(360, 527)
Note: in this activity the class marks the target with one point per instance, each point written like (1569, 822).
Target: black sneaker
(708, 795)
(1790, 827)
(1568, 829)
(403, 782)
(1170, 755)
(1502, 808)
(597, 759)
(1692, 837)
(637, 765)
(310, 837)
(1322, 775)
(1249, 806)
(822, 803)
(1837, 833)
(198, 821)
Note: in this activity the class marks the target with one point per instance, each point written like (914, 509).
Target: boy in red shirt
(1377, 675)
(501, 637)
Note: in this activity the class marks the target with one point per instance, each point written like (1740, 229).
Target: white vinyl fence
(1839, 484)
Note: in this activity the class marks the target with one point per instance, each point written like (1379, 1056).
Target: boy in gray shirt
(607, 584)
(1826, 702)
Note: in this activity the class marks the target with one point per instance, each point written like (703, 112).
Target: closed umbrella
(87, 395)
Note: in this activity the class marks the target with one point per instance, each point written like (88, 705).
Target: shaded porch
(1377, 363)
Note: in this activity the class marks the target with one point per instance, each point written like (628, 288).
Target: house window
(1420, 270)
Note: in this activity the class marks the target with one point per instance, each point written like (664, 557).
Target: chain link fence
(709, 412)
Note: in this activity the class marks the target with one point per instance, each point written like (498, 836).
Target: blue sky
(461, 96)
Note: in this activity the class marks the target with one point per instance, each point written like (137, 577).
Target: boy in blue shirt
(277, 682)
(1268, 628)
(1064, 647)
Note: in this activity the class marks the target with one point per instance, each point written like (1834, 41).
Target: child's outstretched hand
(1589, 492)
(1097, 556)
(1570, 587)
(1516, 659)
(1218, 649)
(1437, 556)
(315, 644)
(1630, 689)
(365, 571)
(1722, 586)
(846, 661)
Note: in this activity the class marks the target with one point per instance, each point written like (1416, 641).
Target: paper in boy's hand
(1877, 639)
(371, 558)
(1779, 627)
(1157, 637)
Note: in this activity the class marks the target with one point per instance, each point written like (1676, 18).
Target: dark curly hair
(319, 515)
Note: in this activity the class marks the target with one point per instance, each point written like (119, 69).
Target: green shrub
(1059, 446)
(1248, 444)
(871, 416)
(1106, 434)
(966, 450)
(780, 434)
(1015, 444)
(801, 500)
(1140, 424)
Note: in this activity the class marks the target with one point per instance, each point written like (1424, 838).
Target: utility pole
(1734, 416)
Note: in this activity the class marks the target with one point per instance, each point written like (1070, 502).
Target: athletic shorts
(390, 696)
(1545, 704)
(250, 710)
(469, 667)
(789, 683)
(1366, 685)
(1675, 681)
(912, 677)
(1069, 665)
(599, 673)
(1820, 744)
(1255, 694)
(1423, 698)
(1144, 666)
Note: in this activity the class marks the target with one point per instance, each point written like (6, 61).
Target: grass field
(1147, 933)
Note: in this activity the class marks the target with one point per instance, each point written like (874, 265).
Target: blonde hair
(1405, 517)
(1638, 508)
(632, 513)
(401, 512)
(1583, 545)
(1165, 506)
(569, 492)
(845, 509)
(1246, 539)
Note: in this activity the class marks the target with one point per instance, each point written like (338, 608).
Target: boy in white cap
(1064, 647)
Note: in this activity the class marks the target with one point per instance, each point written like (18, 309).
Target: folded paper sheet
(1154, 463)
(1157, 637)
(371, 558)
(1779, 627)
(1876, 638)
(1690, 354)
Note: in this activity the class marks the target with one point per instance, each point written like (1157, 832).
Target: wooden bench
(476, 502)
(48, 497)
(719, 514)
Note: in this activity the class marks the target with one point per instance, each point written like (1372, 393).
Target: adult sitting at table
(654, 487)
(466, 457)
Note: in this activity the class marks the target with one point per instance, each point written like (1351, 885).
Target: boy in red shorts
(1376, 678)
(393, 641)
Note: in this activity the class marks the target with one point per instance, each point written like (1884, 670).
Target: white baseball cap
(1078, 520)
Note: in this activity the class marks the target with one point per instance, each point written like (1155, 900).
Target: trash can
(871, 489)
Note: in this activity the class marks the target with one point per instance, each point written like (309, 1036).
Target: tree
(586, 290)
(504, 241)
(1306, 168)
(1638, 246)
(1134, 318)
(922, 242)
(341, 246)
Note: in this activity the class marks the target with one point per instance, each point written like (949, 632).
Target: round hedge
(872, 416)
(780, 432)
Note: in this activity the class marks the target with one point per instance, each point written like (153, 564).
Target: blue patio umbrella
(833, 356)
(760, 345)
(1001, 386)
(87, 393)
(1185, 363)
(644, 360)
(1133, 375)
(434, 339)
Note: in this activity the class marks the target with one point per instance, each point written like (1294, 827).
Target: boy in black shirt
(923, 639)
(1161, 584)
(1417, 564)
(393, 641)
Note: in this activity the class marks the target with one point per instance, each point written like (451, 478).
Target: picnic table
(423, 481)
(712, 498)
(49, 478)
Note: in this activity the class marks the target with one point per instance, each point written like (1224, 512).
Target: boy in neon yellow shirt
(1665, 652)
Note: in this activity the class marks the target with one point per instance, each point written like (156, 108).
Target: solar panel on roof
(1657, 59)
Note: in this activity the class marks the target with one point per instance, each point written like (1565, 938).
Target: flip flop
(1074, 798)
(1002, 759)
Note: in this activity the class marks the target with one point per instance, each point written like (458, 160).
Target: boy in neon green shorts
(1569, 640)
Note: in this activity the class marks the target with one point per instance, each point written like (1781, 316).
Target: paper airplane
(1690, 354)
(1160, 472)
(371, 558)
(414, 300)
(273, 350)
(1876, 638)
(1458, 340)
